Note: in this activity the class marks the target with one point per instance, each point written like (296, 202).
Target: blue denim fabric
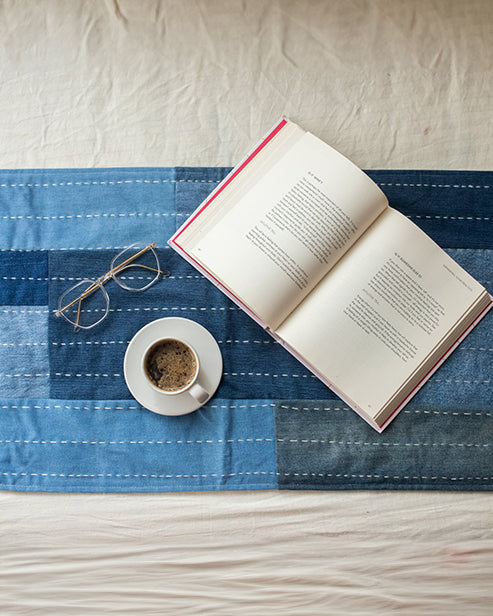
(24, 358)
(324, 446)
(24, 278)
(64, 209)
(86, 433)
(117, 446)
(452, 207)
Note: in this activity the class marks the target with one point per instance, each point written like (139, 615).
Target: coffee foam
(170, 365)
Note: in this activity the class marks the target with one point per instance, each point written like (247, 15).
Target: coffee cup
(171, 366)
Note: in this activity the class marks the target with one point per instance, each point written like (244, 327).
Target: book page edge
(231, 176)
(437, 365)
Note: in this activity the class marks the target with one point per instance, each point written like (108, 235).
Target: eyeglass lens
(136, 274)
(88, 311)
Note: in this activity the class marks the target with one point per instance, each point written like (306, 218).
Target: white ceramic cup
(193, 387)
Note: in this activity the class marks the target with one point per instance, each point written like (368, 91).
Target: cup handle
(199, 393)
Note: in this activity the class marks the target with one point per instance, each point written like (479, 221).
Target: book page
(378, 314)
(292, 226)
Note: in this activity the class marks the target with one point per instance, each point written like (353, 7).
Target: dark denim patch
(452, 207)
(326, 446)
(24, 278)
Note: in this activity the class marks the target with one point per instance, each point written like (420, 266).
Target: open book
(306, 243)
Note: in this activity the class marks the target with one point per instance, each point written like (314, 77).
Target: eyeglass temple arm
(76, 326)
(154, 269)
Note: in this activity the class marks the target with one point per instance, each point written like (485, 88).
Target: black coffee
(170, 365)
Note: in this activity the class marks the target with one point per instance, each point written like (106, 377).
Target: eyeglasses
(87, 303)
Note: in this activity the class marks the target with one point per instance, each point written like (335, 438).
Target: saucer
(206, 347)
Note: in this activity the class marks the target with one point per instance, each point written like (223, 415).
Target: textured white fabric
(392, 85)
(101, 83)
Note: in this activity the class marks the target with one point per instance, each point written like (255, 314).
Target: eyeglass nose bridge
(105, 277)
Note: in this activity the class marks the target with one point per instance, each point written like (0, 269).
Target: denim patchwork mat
(69, 423)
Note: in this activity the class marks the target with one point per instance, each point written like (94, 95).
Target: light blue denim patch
(24, 363)
(117, 446)
(67, 209)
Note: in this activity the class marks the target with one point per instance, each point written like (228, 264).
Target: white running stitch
(110, 408)
(144, 442)
(247, 342)
(86, 374)
(24, 375)
(104, 182)
(407, 477)
(407, 411)
(239, 406)
(140, 475)
(23, 344)
(314, 408)
(244, 473)
(454, 413)
(468, 381)
(461, 348)
(23, 278)
(103, 342)
(70, 407)
(450, 217)
(73, 278)
(161, 308)
(301, 376)
(98, 215)
(23, 311)
(58, 278)
(486, 187)
(379, 444)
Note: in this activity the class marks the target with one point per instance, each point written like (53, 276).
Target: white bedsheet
(107, 83)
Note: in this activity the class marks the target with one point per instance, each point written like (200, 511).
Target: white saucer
(207, 349)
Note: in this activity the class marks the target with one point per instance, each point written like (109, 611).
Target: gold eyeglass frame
(110, 274)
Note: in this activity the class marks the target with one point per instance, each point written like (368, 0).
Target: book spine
(174, 243)
(218, 284)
